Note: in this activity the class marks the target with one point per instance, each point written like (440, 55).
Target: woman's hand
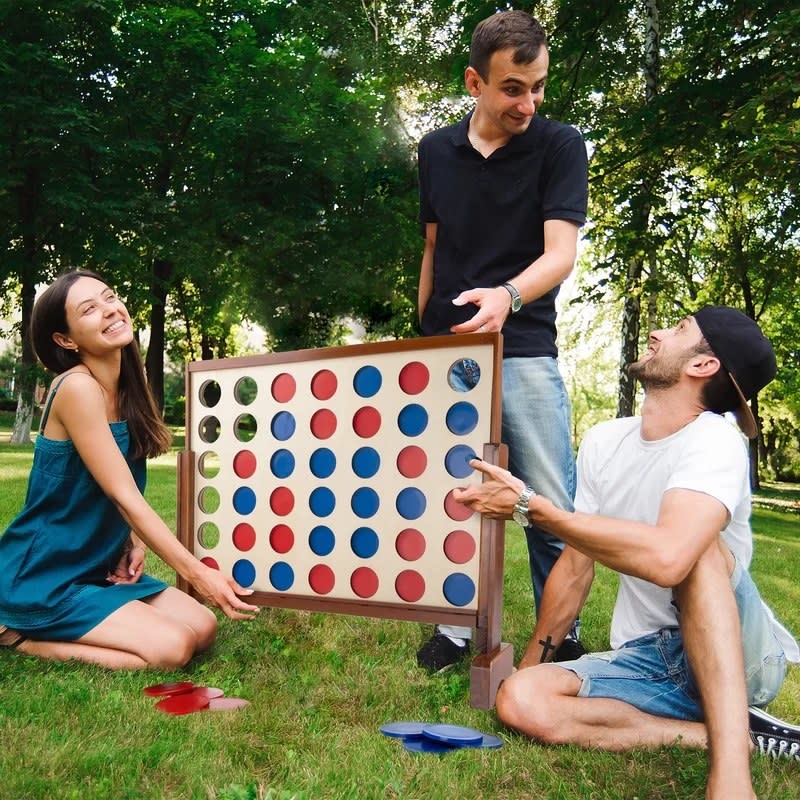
(223, 592)
(130, 567)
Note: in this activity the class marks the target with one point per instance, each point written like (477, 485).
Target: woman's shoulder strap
(51, 395)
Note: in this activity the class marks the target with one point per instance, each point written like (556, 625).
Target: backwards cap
(743, 351)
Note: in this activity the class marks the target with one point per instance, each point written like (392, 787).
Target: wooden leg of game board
(488, 671)
(494, 661)
(490, 600)
(185, 475)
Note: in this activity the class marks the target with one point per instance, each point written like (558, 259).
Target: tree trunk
(206, 349)
(631, 315)
(742, 262)
(630, 342)
(154, 362)
(26, 380)
(756, 449)
(21, 434)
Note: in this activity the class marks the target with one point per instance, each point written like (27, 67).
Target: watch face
(516, 304)
(521, 519)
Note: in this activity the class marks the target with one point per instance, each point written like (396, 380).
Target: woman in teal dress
(72, 584)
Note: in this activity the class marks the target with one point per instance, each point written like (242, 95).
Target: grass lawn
(320, 686)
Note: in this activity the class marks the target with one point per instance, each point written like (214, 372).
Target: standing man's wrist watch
(516, 297)
(520, 512)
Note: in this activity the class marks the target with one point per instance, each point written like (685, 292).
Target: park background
(240, 166)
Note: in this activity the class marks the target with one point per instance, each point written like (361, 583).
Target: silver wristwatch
(520, 512)
(516, 297)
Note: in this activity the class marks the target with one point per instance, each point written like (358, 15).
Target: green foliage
(174, 398)
(52, 59)
(693, 198)
(588, 360)
(14, 372)
(218, 161)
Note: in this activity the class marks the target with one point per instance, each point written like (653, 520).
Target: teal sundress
(55, 555)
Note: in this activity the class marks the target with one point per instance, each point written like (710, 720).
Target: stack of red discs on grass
(183, 697)
(425, 737)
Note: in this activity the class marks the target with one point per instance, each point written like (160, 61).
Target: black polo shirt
(490, 214)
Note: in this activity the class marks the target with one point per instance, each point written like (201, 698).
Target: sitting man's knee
(516, 706)
(525, 702)
(504, 703)
(717, 560)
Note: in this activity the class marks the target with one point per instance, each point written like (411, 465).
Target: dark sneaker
(570, 650)
(439, 652)
(772, 736)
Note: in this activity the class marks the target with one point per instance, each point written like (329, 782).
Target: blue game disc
(461, 418)
(411, 503)
(282, 463)
(281, 576)
(283, 426)
(412, 419)
(455, 735)
(425, 745)
(244, 500)
(322, 462)
(321, 540)
(364, 542)
(489, 741)
(365, 502)
(456, 462)
(458, 589)
(403, 730)
(322, 501)
(244, 572)
(367, 381)
(366, 462)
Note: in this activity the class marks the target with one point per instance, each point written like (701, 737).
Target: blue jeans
(537, 430)
(653, 674)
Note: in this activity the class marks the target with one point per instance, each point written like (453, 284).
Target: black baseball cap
(743, 351)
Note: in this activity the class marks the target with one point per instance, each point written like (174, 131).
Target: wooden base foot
(488, 671)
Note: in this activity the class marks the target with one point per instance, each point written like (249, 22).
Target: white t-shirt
(621, 475)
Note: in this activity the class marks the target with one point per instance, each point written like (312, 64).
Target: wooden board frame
(493, 658)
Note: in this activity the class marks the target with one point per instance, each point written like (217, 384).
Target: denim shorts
(652, 672)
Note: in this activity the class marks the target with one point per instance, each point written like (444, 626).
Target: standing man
(664, 500)
(503, 194)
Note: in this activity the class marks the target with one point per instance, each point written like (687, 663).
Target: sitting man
(663, 499)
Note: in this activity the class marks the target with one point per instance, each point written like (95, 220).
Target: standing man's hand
(494, 306)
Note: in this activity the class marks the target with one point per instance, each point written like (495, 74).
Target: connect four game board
(323, 480)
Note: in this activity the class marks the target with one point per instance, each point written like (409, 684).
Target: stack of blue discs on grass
(425, 737)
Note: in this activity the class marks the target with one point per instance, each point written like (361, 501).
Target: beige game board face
(327, 473)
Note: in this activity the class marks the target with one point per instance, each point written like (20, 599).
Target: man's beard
(653, 374)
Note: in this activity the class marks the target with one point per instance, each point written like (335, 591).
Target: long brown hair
(149, 435)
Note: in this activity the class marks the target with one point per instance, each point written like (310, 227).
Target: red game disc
(183, 703)
(208, 691)
(227, 703)
(168, 689)
(284, 387)
(414, 377)
(324, 384)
